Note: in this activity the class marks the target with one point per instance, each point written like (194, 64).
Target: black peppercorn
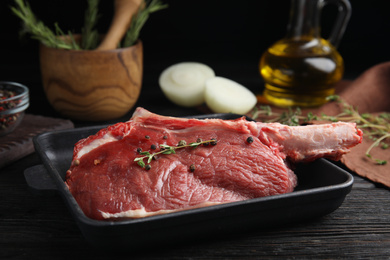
(147, 137)
(214, 142)
(153, 147)
(249, 140)
(192, 167)
(139, 150)
(148, 167)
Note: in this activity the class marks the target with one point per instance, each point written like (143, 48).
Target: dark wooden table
(40, 227)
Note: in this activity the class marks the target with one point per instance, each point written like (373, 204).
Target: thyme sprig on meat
(167, 149)
(375, 127)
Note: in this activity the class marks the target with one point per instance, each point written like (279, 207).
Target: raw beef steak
(107, 182)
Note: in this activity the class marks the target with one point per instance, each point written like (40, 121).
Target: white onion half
(184, 83)
(223, 95)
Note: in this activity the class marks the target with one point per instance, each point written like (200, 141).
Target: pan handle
(39, 180)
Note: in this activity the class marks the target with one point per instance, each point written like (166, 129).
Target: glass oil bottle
(302, 68)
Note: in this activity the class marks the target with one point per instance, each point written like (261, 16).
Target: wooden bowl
(92, 85)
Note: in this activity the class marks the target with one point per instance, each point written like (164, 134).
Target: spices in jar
(7, 120)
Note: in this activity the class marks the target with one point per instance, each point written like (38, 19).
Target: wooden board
(19, 143)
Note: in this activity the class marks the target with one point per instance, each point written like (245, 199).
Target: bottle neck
(304, 19)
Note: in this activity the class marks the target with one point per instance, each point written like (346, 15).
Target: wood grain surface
(18, 143)
(36, 226)
(92, 85)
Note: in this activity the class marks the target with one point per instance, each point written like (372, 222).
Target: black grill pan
(322, 188)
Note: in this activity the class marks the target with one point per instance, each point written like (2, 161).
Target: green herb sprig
(140, 19)
(166, 149)
(90, 36)
(375, 127)
(38, 30)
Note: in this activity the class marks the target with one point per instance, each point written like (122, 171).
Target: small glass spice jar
(14, 100)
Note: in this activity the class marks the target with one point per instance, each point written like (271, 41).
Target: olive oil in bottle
(300, 73)
(302, 68)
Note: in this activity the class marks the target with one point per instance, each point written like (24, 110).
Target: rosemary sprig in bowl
(90, 37)
(39, 30)
(139, 21)
(375, 127)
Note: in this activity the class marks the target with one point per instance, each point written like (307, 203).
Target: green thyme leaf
(310, 117)
(385, 116)
(380, 162)
(333, 98)
(150, 159)
(141, 163)
(166, 149)
(169, 151)
(194, 145)
(267, 109)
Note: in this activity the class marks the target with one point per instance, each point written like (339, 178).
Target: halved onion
(184, 83)
(223, 95)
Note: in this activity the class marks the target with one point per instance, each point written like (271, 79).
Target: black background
(230, 36)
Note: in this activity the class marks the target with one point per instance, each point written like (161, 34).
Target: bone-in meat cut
(250, 160)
